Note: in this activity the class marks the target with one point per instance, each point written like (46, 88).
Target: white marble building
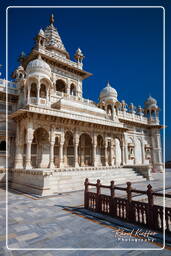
(54, 132)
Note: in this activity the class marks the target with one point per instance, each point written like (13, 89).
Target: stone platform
(48, 182)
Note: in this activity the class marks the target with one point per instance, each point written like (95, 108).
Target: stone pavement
(61, 222)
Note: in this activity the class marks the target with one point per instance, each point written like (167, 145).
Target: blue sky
(122, 45)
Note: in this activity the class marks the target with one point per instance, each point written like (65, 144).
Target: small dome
(150, 103)
(41, 32)
(20, 68)
(38, 66)
(108, 93)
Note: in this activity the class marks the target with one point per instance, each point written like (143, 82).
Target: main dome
(108, 93)
(38, 66)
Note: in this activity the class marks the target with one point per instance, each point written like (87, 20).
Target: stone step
(95, 173)
(66, 183)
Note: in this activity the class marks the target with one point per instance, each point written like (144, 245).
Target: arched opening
(85, 150)
(60, 86)
(117, 152)
(73, 90)
(56, 152)
(3, 146)
(33, 90)
(43, 91)
(68, 149)
(100, 151)
(40, 148)
(109, 110)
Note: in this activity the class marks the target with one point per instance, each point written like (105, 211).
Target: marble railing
(74, 98)
(137, 118)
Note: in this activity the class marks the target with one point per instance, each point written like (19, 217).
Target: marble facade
(52, 127)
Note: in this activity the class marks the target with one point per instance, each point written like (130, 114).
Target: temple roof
(53, 39)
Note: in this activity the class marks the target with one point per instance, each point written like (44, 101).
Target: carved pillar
(112, 153)
(28, 94)
(18, 155)
(76, 143)
(52, 143)
(29, 138)
(156, 149)
(61, 151)
(106, 155)
(94, 150)
(126, 153)
(122, 154)
(38, 91)
(143, 152)
(68, 89)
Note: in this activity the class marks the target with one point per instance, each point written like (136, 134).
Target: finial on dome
(79, 55)
(108, 84)
(52, 19)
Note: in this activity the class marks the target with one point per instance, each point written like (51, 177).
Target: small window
(3, 145)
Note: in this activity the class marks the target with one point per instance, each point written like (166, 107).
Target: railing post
(112, 209)
(86, 195)
(129, 210)
(150, 217)
(98, 192)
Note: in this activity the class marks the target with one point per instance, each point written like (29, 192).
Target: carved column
(52, 143)
(106, 155)
(94, 149)
(76, 143)
(112, 153)
(156, 149)
(122, 154)
(61, 152)
(143, 152)
(18, 155)
(28, 94)
(29, 138)
(126, 153)
(68, 89)
(38, 91)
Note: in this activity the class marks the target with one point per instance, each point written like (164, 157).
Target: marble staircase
(69, 180)
(53, 181)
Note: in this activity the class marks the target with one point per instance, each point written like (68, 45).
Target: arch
(68, 149)
(73, 89)
(40, 148)
(47, 82)
(109, 110)
(117, 152)
(43, 91)
(61, 86)
(85, 150)
(33, 90)
(138, 151)
(3, 146)
(100, 151)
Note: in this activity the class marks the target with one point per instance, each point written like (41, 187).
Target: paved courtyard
(61, 222)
